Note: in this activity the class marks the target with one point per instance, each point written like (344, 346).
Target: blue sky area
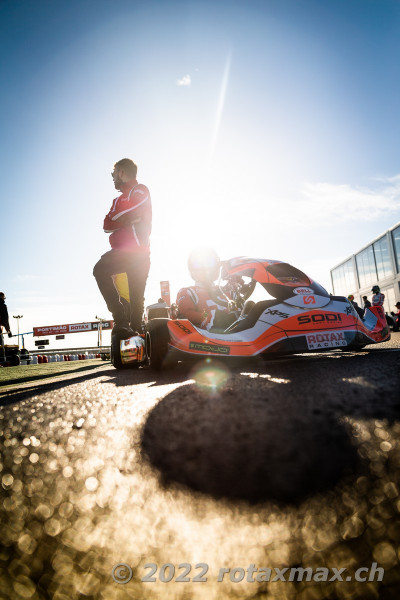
(266, 128)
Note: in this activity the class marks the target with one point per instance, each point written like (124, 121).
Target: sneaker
(122, 330)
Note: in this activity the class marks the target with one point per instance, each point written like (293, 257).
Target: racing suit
(205, 306)
(378, 299)
(129, 223)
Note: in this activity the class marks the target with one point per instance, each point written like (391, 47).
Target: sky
(266, 128)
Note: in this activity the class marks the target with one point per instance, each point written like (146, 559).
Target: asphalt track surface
(285, 464)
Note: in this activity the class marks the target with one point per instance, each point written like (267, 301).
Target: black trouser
(136, 266)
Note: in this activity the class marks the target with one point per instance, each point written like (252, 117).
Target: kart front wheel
(115, 357)
(15, 360)
(157, 337)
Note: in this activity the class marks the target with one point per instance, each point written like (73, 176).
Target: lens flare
(210, 375)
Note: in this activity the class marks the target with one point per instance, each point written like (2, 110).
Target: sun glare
(220, 107)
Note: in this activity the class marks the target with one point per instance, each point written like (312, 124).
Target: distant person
(377, 298)
(4, 322)
(396, 317)
(358, 309)
(129, 223)
(366, 302)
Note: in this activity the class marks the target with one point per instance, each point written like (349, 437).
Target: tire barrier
(38, 359)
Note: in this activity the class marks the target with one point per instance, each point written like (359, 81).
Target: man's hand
(9, 334)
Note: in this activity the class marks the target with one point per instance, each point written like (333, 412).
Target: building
(378, 263)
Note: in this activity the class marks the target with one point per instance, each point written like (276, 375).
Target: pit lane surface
(295, 462)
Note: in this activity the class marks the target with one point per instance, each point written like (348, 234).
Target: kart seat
(251, 319)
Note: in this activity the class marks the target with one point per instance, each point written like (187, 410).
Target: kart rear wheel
(157, 338)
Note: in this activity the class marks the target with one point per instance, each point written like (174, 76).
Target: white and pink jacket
(129, 219)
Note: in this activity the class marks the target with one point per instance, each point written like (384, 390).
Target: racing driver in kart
(204, 304)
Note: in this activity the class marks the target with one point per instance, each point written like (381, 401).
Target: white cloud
(27, 277)
(327, 201)
(186, 80)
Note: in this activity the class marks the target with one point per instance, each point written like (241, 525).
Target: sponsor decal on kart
(327, 339)
(209, 348)
(313, 301)
(185, 329)
(276, 313)
(319, 318)
(303, 290)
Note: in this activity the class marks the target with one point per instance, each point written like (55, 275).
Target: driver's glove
(232, 306)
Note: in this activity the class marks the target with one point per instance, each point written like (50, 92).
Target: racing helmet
(376, 289)
(204, 264)
(350, 297)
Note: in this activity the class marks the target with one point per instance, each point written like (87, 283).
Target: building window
(389, 303)
(366, 267)
(343, 279)
(382, 258)
(396, 244)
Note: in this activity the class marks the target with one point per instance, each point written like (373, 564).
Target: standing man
(129, 223)
(359, 310)
(366, 302)
(4, 321)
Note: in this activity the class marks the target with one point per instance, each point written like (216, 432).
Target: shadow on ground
(277, 434)
(236, 448)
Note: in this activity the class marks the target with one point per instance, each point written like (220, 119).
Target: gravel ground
(292, 463)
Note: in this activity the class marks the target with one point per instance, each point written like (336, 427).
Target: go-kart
(299, 316)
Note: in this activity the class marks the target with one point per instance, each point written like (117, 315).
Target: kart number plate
(329, 339)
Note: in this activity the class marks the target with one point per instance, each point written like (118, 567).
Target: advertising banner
(71, 328)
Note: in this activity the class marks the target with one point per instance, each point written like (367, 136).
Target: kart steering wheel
(242, 291)
(247, 289)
